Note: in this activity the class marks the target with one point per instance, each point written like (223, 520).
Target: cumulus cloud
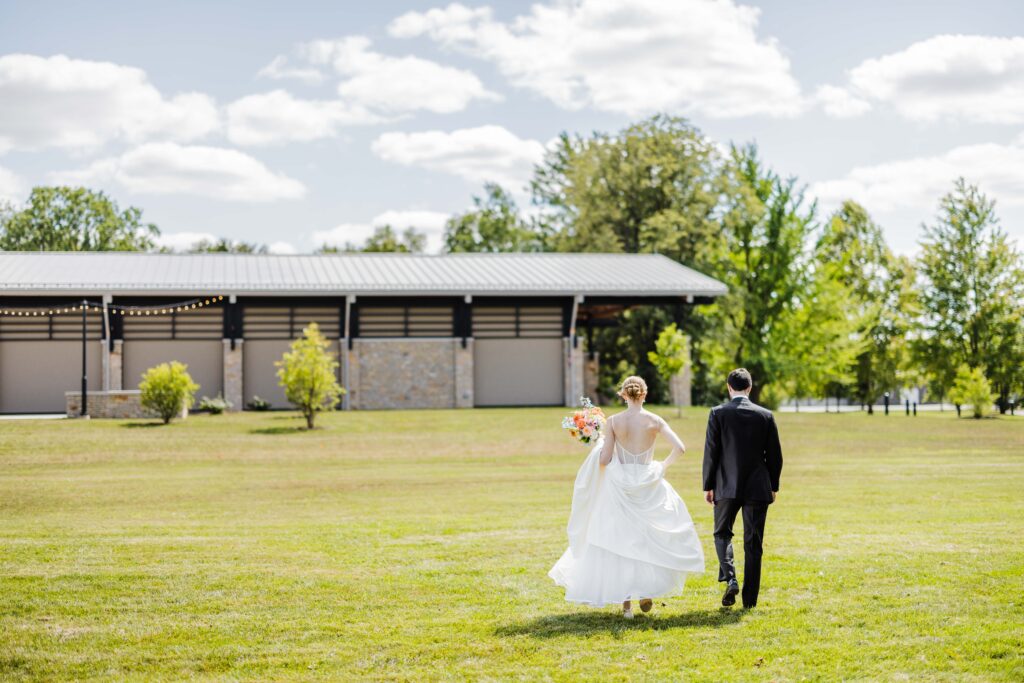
(11, 187)
(841, 103)
(72, 103)
(277, 117)
(282, 247)
(626, 56)
(280, 68)
(918, 183)
(431, 223)
(170, 168)
(370, 80)
(484, 154)
(957, 77)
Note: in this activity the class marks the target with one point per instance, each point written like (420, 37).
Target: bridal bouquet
(585, 424)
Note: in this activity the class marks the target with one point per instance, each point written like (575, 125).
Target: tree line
(817, 305)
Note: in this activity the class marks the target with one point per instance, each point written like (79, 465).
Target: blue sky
(304, 122)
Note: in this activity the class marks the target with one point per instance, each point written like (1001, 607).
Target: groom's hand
(775, 494)
(709, 496)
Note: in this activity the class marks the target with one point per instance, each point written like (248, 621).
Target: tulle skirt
(600, 577)
(630, 536)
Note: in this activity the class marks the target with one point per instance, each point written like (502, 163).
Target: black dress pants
(754, 515)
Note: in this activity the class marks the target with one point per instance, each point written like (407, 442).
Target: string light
(116, 309)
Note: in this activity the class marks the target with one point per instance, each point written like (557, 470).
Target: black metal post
(85, 377)
(915, 408)
(908, 406)
(1011, 407)
(886, 397)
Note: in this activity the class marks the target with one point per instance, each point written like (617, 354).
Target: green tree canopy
(225, 245)
(383, 239)
(65, 218)
(766, 228)
(852, 251)
(494, 225)
(972, 287)
(649, 188)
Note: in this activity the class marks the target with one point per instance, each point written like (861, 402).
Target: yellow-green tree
(167, 389)
(308, 374)
(670, 356)
(972, 388)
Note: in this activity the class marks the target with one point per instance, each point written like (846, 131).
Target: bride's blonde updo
(633, 389)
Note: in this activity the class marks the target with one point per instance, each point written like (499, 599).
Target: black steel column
(85, 375)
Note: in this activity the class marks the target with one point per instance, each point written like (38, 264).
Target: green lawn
(415, 546)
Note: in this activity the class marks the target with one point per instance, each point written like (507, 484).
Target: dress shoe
(731, 591)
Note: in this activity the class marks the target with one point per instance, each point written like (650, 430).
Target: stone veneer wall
(119, 404)
(590, 376)
(463, 374)
(408, 373)
(115, 360)
(574, 359)
(680, 388)
(233, 374)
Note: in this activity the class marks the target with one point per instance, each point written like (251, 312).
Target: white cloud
(183, 241)
(626, 56)
(170, 168)
(487, 153)
(431, 223)
(841, 103)
(918, 183)
(73, 103)
(277, 117)
(282, 248)
(279, 69)
(11, 187)
(383, 83)
(956, 77)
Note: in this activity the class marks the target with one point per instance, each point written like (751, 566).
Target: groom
(742, 464)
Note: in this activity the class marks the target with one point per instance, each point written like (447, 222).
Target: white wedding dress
(630, 534)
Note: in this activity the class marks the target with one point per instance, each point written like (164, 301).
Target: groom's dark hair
(740, 379)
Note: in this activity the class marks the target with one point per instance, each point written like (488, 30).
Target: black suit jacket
(742, 454)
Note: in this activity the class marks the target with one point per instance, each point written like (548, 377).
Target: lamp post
(885, 396)
(85, 377)
(1011, 407)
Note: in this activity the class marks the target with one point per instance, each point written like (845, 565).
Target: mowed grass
(415, 546)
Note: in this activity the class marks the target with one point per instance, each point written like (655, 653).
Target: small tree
(308, 374)
(972, 387)
(167, 389)
(670, 356)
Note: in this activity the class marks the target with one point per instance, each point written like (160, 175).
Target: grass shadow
(590, 623)
(279, 430)
(137, 425)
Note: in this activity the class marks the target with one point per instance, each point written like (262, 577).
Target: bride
(630, 535)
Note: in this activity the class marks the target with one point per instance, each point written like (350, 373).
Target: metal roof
(521, 274)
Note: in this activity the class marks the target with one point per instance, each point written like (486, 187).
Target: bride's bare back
(636, 430)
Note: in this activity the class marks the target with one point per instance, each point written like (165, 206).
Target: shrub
(214, 406)
(972, 388)
(167, 389)
(308, 374)
(258, 403)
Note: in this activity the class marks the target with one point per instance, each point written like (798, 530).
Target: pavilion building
(410, 330)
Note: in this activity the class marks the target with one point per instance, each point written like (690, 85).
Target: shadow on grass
(279, 430)
(589, 623)
(136, 425)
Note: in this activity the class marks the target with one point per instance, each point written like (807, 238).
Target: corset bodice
(628, 458)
